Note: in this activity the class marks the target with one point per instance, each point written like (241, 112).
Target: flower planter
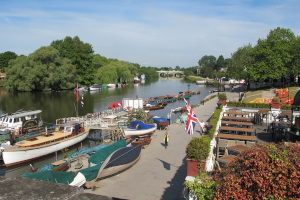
(192, 168)
(223, 101)
(275, 105)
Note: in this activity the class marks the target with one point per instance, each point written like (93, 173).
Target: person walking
(166, 138)
(169, 118)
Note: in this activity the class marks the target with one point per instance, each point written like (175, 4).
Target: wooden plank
(227, 128)
(237, 137)
(226, 159)
(237, 123)
(263, 111)
(287, 112)
(59, 162)
(236, 118)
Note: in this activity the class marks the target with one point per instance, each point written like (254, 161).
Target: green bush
(222, 96)
(266, 171)
(276, 100)
(198, 148)
(248, 105)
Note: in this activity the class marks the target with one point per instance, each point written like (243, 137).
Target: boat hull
(119, 161)
(134, 132)
(14, 156)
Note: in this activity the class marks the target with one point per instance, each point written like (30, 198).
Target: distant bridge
(172, 73)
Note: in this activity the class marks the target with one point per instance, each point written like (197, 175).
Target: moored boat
(136, 128)
(65, 135)
(160, 122)
(95, 87)
(119, 161)
(201, 82)
(142, 141)
(136, 80)
(111, 85)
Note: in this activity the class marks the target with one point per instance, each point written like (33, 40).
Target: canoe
(119, 161)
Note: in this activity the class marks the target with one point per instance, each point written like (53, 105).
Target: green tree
(209, 61)
(220, 63)
(5, 58)
(80, 54)
(41, 70)
(177, 68)
(106, 74)
(273, 57)
(240, 63)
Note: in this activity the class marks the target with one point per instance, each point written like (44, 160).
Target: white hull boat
(40, 146)
(137, 128)
(111, 85)
(200, 82)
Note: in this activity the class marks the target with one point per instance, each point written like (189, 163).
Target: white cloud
(151, 36)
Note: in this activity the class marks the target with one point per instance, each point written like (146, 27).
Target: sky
(157, 33)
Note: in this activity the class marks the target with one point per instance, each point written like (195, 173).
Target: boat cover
(115, 105)
(53, 176)
(102, 154)
(141, 125)
(90, 173)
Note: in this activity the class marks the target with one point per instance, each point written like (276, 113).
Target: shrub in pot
(276, 102)
(197, 151)
(223, 98)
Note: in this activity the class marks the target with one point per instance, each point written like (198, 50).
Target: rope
(123, 154)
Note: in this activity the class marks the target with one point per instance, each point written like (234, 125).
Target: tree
(273, 57)
(177, 68)
(41, 70)
(209, 61)
(106, 74)
(220, 63)
(99, 61)
(5, 58)
(240, 63)
(80, 54)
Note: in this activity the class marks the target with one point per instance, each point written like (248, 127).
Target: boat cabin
(16, 120)
(61, 132)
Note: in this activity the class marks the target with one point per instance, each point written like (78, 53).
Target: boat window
(16, 120)
(6, 119)
(10, 120)
(51, 141)
(23, 118)
(68, 129)
(66, 137)
(61, 128)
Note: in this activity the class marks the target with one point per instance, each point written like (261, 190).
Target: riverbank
(159, 174)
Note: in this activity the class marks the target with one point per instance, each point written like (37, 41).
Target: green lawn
(293, 91)
(250, 96)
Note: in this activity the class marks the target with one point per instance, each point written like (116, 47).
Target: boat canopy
(22, 114)
(115, 105)
(53, 176)
(102, 154)
(160, 119)
(141, 125)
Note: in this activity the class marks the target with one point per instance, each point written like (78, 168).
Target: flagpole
(77, 102)
(197, 117)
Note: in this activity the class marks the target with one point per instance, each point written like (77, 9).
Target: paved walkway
(160, 172)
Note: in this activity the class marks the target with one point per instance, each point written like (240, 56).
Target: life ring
(20, 129)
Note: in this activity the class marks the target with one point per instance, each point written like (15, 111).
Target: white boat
(111, 85)
(136, 80)
(202, 82)
(178, 109)
(65, 135)
(21, 121)
(95, 87)
(137, 128)
(143, 77)
(83, 89)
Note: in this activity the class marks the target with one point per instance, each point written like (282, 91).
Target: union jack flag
(192, 119)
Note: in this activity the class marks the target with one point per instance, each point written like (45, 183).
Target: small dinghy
(119, 161)
(136, 128)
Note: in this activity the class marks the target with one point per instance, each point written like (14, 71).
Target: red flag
(77, 93)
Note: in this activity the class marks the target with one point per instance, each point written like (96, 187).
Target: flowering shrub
(266, 171)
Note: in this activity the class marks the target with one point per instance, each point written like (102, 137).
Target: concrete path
(160, 172)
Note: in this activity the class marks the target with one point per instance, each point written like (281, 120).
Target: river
(59, 104)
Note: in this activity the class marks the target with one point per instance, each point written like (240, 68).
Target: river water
(59, 104)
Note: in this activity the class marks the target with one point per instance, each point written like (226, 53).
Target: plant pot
(192, 168)
(275, 105)
(223, 101)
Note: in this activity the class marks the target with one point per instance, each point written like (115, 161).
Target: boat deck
(42, 139)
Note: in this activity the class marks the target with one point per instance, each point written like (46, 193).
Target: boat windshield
(68, 129)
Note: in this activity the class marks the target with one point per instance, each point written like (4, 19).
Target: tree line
(63, 64)
(273, 58)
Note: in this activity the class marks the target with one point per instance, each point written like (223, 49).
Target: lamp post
(189, 93)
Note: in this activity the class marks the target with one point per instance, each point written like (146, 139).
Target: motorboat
(20, 122)
(95, 87)
(160, 122)
(119, 161)
(111, 85)
(64, 135)
(136, 80)
(137, 128)
(201, 82)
